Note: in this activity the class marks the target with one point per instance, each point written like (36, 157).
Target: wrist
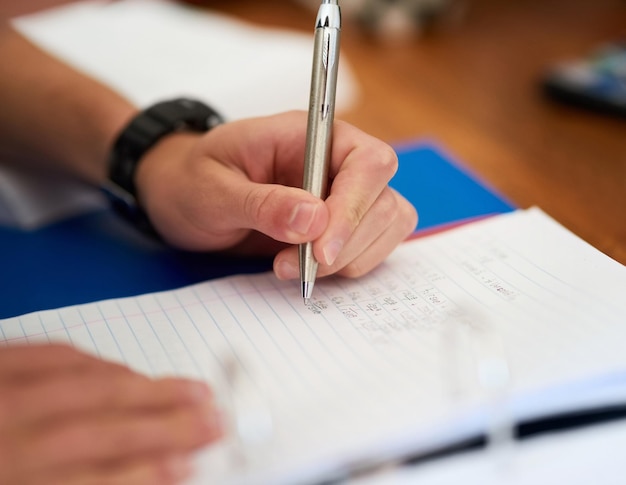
(161, 168)
(141, 135)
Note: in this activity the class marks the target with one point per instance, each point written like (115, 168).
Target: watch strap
(148, 127)
(141, 134)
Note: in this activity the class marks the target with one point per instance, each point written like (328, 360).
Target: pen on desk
(320, 122)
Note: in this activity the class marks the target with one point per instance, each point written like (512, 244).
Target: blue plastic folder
(443, 190)
(97, 256)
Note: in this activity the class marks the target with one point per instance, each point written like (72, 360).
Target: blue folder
(97, 256)
(443, 190)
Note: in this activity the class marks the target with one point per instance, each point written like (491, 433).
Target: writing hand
(237, 187)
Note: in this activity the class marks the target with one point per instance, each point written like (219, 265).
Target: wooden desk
(472, 85)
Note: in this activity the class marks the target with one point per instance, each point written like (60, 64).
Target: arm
(53, 115)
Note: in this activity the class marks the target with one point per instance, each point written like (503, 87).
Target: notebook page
(384, 365)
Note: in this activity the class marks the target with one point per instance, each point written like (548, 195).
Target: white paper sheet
(512, 316)
(150, 50)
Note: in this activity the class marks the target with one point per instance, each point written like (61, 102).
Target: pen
(320, 123)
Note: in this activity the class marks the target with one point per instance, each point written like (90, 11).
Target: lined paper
(386, 365)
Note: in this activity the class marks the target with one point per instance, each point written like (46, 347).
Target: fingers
(70, 382)
(362, 171)
(99, 390)
(286, 214)
(84, 441)
(375, 237)
(367, 219)
(389, 221)
(91, 421)
(149, 470)
(37, 361)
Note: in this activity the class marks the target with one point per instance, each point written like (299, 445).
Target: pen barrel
(320, 122)
(321, 110)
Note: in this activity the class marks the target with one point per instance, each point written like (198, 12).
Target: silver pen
(320, 122)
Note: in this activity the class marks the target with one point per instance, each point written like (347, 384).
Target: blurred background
(471, 74)
(484, 79)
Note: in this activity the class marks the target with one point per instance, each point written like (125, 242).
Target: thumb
(286, 214)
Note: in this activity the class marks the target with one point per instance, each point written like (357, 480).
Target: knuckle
(256, 203)
(355, 214)
(388, 204)
(267, 210)
(412, 219)
(353, 270)
(387, 161)
(409, 217)
(387, 208)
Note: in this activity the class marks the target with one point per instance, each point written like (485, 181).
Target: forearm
(53, 115)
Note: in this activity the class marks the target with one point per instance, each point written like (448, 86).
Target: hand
(237, 187)
(67, 418)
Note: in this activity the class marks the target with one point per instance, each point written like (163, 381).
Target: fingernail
(302, 217)
(199, 391)
(214, 421)
(178, 467)
(332, 250)
(285, 270)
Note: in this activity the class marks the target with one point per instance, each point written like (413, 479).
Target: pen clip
(330, 55)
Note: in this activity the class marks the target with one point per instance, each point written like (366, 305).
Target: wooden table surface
(471, 84)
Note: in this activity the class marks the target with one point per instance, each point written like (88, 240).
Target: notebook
(505, 320)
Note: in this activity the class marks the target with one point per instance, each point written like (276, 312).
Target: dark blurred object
(393, 19)
(596, 82)
(385, 20)
(400, 19)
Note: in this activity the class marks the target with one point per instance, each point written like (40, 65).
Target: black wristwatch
(143, 131)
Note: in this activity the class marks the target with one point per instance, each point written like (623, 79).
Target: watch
(142, 133)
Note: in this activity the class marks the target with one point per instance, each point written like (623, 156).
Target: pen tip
(307, 290)
(307, 301)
